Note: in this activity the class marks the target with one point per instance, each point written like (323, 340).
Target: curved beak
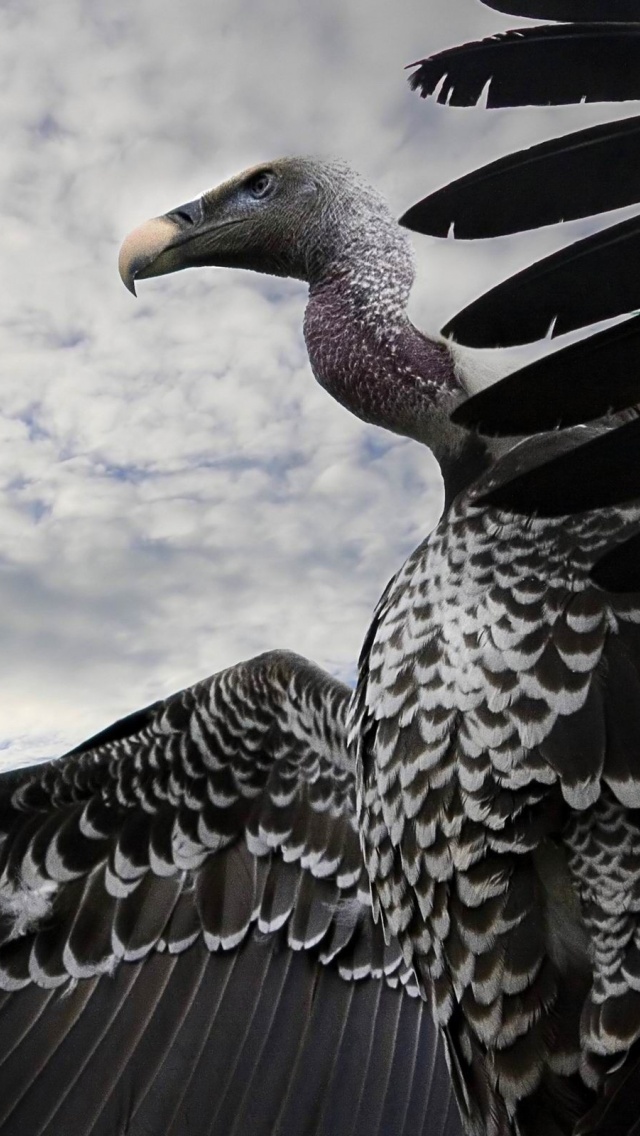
(154, 248)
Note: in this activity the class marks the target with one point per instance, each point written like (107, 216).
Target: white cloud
(176, 493)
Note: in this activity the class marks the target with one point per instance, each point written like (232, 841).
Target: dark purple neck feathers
(371, 358)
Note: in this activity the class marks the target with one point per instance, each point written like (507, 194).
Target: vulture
(270, 905)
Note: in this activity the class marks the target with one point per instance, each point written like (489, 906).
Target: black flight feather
(153, 1065)
(584, 381)
(587, 11)
(108, 1066)
(567, 484)
(593, 279)
(352, 1058)
(236, 1014)
(283, 993)
(46, 958)
(184, 926)
(89, 942)
(328, 1014)
(141, 917)
(313, 912)
(375, 1084)
(42, 1067)
(176, 1086)
(577, 175)
(20, 1015)
(279, 896)
(343, 928)
(225, 896)
(542, 66)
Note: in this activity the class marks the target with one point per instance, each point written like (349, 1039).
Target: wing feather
(155, 886)
(566, 483)
(584, 381)
(593, 279)
(541, 66)
(597, 11)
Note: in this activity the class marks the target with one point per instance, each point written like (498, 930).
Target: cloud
(176, 493)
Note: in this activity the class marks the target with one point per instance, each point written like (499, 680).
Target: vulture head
(320, 222)
(298, 217)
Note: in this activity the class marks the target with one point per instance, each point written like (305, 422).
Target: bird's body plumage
(490, 766)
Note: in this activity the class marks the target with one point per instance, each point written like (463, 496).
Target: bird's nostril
(189, 214)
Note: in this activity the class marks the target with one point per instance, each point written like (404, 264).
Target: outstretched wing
(187, 938)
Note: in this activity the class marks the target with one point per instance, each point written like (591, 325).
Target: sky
(176, 492)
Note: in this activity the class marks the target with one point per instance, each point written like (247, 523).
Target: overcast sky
(176, 492)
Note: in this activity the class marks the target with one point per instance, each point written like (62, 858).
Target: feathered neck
(367, 354)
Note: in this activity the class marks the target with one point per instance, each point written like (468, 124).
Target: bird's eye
(260, 184)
